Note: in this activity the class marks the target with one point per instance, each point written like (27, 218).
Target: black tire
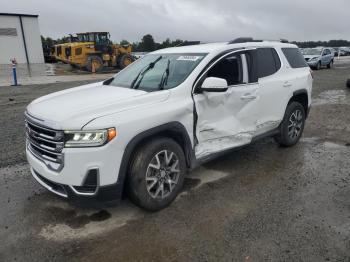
(290, 131)
(143, 166)
(318, 66)
(348, 83)
(125, 60)
(97, 61)
(330, 65)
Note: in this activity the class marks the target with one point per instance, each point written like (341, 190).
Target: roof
(15, 14)
(213, 47)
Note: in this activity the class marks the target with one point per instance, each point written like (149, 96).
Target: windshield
(312, 51)
(158, 71)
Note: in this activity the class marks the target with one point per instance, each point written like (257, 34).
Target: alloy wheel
(295, 124)
(162, 174)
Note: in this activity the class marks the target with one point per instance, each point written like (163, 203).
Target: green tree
(124, 42)
(147, 43)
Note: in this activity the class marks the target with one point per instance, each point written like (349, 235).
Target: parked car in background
(318, 57)
(344, 51)
(335, 51)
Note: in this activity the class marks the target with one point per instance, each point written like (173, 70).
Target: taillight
(312, 73)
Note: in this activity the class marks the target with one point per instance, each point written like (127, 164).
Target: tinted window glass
(228, 68)
(294, 57)
(268, 62)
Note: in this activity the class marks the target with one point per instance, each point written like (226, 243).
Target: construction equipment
(93, 51)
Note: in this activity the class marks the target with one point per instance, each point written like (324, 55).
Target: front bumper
(74, 180)
(83, 194)
(312, 63)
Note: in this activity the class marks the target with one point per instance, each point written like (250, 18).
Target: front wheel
(156, 174)
(292, 125)
(318, 66)
(94, 64)
(125, 60)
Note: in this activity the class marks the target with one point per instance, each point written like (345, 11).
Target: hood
(309, 57)
(73, 108)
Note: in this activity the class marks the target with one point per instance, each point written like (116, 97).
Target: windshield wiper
(164, 79)
(136, 83)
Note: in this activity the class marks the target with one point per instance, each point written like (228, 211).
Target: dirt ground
(262, 203)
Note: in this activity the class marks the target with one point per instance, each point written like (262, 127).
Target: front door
(227, 119)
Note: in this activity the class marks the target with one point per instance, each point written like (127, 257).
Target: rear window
(268, 62)
(294, 57)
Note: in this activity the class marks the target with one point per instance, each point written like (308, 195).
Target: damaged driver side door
(226, 102)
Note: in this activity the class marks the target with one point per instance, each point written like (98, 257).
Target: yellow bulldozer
(93, 51)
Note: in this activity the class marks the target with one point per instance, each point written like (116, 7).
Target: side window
(229, 68)
(294, 57)
(268, 62)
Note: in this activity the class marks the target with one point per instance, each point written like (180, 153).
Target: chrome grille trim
(45, 143)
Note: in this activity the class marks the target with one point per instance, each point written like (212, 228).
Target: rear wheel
(292, 125)
(348, 83)
(125, 60)
(94, 64)
(156, 174)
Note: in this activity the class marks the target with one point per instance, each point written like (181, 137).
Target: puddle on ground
(73, 219)
(331, 145)
(206, 175)
(190, 183)
(75, 224)
(309, 139)
(332, 97)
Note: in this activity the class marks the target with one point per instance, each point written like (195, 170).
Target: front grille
(46, 144)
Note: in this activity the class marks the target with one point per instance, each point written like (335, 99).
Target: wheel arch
(301, 96)
(173, 130)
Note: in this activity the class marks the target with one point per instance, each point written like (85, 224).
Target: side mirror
(214, 84)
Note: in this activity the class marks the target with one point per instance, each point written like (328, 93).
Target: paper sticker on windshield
(189, 58)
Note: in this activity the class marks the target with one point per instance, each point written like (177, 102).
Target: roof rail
(186, 43)
(251, 39)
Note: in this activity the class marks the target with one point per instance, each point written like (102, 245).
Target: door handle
(248, 97)
(287, 84)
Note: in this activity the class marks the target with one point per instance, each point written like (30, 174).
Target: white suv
(170, 111)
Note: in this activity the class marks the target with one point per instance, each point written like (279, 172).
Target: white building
(20, 39)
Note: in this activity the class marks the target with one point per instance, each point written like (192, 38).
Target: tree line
(330, 43)
(148, 44)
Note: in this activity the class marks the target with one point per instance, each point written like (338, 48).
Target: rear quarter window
(294, 57)
(268, 62)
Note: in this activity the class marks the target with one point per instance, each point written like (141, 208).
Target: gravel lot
(262, 203)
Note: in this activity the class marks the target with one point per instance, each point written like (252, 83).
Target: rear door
(227, 119)
(273, 84)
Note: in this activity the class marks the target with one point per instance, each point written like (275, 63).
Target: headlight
(89, 138)
(313, 59)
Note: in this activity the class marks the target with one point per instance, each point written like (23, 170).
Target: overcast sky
(205, 20)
